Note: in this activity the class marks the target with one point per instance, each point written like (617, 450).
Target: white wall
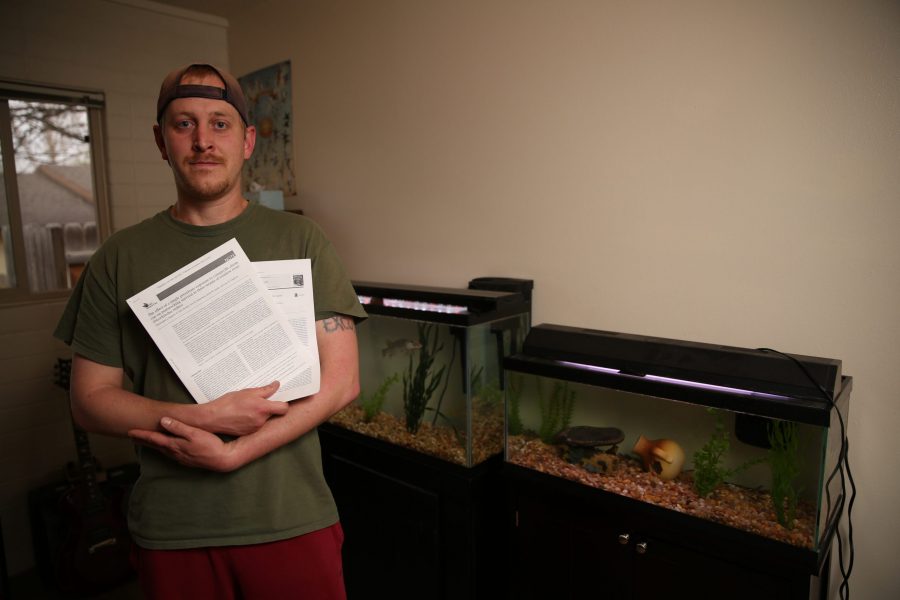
(714, 171)
(123, 48)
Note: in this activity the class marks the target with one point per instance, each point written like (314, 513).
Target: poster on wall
(268, 93)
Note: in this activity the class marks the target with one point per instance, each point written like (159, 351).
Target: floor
(28, 586)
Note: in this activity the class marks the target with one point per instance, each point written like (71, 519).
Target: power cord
(842, 468)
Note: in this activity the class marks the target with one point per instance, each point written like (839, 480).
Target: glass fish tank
(431, 366)
(747, 438)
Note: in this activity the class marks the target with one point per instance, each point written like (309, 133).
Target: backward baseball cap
(172, 88)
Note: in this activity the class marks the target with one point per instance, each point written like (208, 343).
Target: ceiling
(219, 8)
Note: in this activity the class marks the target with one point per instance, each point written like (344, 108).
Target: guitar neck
(87, 464)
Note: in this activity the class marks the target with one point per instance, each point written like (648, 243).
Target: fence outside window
(54, 203)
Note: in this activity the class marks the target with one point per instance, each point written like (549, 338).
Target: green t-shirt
(278, 496)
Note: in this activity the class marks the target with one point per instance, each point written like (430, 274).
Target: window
(53, 199)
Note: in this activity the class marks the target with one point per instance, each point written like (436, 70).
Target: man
(231, 501)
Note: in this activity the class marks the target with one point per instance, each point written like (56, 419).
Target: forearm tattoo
(338, 323)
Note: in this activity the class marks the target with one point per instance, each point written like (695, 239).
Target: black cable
(844, 590)
(842, 463)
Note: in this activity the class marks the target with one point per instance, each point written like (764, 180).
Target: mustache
(205, 158)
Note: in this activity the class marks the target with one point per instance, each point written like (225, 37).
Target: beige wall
(715, 171)
(122, 48)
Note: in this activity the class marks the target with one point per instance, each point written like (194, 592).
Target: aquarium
(431, 367)
(747, 438)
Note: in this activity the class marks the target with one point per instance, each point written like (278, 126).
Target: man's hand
(100, 404)
(244, 411)
(338, 355)
(190, 446)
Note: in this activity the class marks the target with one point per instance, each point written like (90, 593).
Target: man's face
(205, 143)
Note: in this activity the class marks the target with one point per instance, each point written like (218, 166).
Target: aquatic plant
(372, 406)
(709, 472)
(556, 411)
(513, 394)
(437, 408)
(784, 460)
(489, 395)
(475, 374)
(419, 383)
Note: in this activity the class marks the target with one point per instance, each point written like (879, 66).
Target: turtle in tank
(593, 448)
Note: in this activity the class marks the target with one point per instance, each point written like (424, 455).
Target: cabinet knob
(641, 548)
(624, 538)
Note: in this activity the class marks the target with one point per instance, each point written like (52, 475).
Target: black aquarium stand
(415, 526)
(570, 541)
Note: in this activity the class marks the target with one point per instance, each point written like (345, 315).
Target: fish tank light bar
(767, 384)
(450, 309)
(758, 369)
(450, 306)
(674, 381)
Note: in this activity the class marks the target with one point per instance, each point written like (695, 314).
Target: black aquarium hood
(451, 306)
(758, 381)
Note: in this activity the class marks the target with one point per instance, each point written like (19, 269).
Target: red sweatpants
(306, 567)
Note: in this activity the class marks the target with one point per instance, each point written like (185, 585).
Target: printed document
(221, 330)
(290, 285)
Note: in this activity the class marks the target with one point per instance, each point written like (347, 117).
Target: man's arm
(101, 405)
(195, 447)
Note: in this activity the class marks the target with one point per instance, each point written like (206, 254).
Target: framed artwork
(268, 93)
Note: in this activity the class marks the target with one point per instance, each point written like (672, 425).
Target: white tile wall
(123, 48)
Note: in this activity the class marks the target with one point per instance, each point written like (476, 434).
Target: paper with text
(220, 329)
(290, 285)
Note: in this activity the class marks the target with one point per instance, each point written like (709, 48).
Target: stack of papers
(226, 324)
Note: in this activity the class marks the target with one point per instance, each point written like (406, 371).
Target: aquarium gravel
(743, 508)
(435, 440)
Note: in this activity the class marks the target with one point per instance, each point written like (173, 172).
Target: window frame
(95, 104)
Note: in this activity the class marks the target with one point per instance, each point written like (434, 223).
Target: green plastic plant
(489, 395)
(419, 383)
(784, 460)
(556, 411)
(372, 406)
(709, 472)
(440, 401)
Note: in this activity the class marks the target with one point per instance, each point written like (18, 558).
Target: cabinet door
(561, 552)
(601, 562)
(391, 543)
(541, 558)
(663, 568)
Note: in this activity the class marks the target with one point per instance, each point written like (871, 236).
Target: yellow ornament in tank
(663, 457)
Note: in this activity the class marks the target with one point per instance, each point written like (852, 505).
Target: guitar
(4, 580)
(94, 555)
